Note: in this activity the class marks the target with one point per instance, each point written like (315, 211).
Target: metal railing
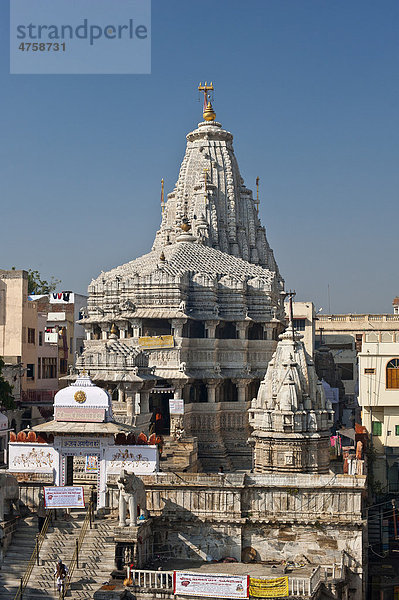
(34, 559)
(158, 580)
(163, 580)
(74, 563)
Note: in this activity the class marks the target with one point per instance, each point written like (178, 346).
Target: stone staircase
(96, 558)
(181, 455)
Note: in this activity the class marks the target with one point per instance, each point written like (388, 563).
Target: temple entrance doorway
(159, 407)
(85, 470)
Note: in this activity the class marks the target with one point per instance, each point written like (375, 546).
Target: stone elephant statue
(131, 495)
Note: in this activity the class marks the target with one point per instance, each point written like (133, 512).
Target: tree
(6, 397)
(37, 285)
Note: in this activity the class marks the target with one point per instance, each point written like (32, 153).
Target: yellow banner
(268, 588)
(156, 341)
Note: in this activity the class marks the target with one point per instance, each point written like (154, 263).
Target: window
(39, 368)
(31, 336)
(30, 371)
(346, 371)
(396, 429)
(359, 342)
(40, 338)
(63, 365)
(49, 368)
(299, 324)
(377, 428)
(392, 376)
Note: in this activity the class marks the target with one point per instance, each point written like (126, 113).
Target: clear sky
(309, 88)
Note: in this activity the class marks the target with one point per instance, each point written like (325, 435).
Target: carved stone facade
(212, 286)
(291, 416)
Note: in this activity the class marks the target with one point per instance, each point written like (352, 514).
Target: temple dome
(83, 393)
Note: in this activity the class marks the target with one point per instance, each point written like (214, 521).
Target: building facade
(206, 304)
(344, 335)
(379, 400)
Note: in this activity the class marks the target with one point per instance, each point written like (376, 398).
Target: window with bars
(299, 324)
(377, 428)
(392, 375)
(49, 368)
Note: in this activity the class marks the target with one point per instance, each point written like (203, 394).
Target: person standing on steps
(60, 572)
(41, 512)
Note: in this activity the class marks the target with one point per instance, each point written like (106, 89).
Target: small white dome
(83, 393)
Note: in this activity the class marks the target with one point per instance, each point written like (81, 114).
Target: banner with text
(268, 588)
(156, 341)
(210, 585)
(64, 497)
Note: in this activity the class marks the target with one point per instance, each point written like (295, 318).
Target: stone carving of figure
(131, 495)
(182, 306)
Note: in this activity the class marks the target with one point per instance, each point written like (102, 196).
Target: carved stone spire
(290, 416)
(211, 189)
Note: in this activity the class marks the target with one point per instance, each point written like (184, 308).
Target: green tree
(6, 397)
(37, 285)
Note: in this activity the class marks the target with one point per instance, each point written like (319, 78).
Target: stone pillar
(242, 328)
(104, 331)
(178, 393)
(129, 395)
(177, 325)
(242, 385)
(211, 328)
(89, 329)
(144, 402)
(136, 324)
(211, 386)
(121, 393)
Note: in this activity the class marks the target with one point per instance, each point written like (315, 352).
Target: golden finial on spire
(257, 195)
(208, 114)
(162, 198)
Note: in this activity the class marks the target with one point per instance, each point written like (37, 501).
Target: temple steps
(96, 558)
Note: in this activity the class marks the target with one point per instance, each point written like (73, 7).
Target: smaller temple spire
(257, 195)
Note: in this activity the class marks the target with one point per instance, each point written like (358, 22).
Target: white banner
(64, 497)
(141, 460)
(32, 458)
(176, 407)
(210, 585)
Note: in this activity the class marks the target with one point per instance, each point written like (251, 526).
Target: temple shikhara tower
(291, 416)
(198, 317)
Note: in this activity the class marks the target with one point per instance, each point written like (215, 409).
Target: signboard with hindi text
(210, 585)
(85, 415)
(176, 406)
(268, 588)
(64, 497)
(156, 341)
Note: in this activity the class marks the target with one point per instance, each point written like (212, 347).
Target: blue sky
(309, 88)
